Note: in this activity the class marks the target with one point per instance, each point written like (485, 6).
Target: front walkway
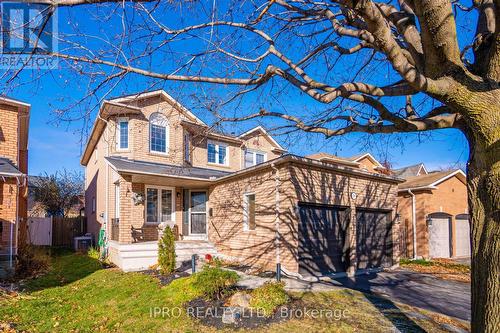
(450, 298)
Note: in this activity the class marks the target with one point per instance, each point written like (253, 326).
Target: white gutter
(414, 222)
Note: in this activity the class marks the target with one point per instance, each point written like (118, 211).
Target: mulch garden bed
(165, 279)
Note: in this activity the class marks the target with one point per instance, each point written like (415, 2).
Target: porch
(141, 256)
(145, 197)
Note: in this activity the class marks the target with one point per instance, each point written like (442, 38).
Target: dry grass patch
(441, 268)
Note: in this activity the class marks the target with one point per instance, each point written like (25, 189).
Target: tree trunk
(483, 184)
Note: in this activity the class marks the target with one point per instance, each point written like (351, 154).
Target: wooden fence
(64, 229)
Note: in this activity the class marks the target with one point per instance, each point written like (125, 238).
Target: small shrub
(269, 297)
(166, 252)
(31, 261)
(94, 253)
(214, 282)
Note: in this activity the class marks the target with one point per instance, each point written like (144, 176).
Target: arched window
(158, 133)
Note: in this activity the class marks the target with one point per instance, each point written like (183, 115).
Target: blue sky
(56, 144)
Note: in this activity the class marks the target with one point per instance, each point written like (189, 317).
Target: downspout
(106, 224)
(11, 236)
(277, 221)
(414, 222)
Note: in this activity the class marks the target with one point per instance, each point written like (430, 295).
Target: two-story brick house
(150, 162)
(14, 122)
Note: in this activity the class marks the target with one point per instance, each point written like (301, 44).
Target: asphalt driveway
(451, 298)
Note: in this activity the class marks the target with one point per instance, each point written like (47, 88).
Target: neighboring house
(436, 204)
(36, 209)
(14, 122)
(150, 162)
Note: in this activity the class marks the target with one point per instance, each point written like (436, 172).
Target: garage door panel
(462, 235)
(322, 235)
(373, 239)
(439, 237)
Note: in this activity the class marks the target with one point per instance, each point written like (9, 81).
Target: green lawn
(78, 296)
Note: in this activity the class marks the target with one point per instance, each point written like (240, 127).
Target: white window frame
(118, 133)
(246, 222)
(117, 200)
(254, 156)
(166, 124)
(159, 188)
(217, 147)
(187, 147)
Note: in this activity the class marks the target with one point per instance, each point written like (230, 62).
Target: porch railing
(115, 229)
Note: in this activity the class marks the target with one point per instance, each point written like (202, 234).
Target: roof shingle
(141, 167)
(7, 169)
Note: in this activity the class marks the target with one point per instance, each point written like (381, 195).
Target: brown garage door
(373, 239)
(322, 238)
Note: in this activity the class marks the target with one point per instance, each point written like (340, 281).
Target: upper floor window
(158, 133)
(122, 134)
(253, 157)
(217, 153)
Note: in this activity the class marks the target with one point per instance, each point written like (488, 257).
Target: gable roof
(357, 158)
(209, 132)
(106, 110)
(154, 93)
(325, 157)
(411, 171)
(263, 131)
(431, 180)
(14, 102)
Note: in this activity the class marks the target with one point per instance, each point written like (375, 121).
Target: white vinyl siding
(117, 200)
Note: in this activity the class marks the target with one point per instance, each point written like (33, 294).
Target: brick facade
(279, 187)
(449, 198)
(13, 193)
(297, 183)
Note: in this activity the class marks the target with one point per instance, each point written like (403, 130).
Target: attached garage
(439, 227)
(462, 236)
(373, 239)
(322, 239)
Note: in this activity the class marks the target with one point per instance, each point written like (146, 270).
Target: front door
(198, 213)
